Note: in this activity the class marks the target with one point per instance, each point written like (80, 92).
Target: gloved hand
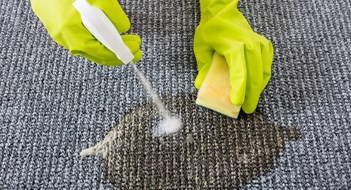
(64, 25)
(223, 29)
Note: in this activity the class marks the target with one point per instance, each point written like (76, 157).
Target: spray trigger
(101, 27)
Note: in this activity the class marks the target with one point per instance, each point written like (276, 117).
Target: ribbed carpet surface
(54, 105)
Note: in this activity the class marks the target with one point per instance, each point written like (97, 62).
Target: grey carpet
(53, 105)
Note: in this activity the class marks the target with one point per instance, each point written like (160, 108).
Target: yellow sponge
(215, 89)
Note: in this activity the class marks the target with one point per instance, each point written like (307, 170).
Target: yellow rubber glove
(223, 29)
(65, 27)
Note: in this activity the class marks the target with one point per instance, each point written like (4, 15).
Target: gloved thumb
(235, 58)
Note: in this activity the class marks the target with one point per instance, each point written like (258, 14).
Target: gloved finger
(137, 56)
(236, 60)
(98, 53)
(133, 42)
(267, 53)
(254, 68)
(203, 55)
(94, 51)
(111, 60)
(108, 60)
(114, 12)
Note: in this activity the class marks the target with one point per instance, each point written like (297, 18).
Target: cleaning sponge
(215, 89)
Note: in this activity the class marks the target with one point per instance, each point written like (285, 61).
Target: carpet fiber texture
(53, 105)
